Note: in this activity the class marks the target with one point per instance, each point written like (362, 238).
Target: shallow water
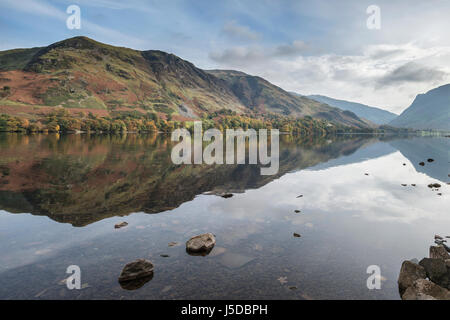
(60, 197)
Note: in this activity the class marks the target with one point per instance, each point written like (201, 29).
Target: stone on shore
(201, 244)
(439, 252)
(409, 273)
(423, 289)
(436, 271)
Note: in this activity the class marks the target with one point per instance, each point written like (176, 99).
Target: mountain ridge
(374, 114)
(430, 110)
(82, 74)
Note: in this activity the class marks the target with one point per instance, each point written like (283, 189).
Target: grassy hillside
(261, 96)
(83, 75)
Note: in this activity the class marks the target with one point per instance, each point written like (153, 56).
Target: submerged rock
(234, 260)
(296, 235)
(421, 164)
(201, 244)
(409, 272)
(120, 225)
(296, 211)
(430, 160)
(173, 244)
(227, 195)
(135, 274)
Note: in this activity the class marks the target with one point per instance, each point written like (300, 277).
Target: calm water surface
(60, 197)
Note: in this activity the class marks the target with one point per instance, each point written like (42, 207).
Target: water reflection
(348, 220)
(81, 179)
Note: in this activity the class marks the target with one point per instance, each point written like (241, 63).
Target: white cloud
(233, 29)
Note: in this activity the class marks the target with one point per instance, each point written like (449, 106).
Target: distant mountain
(259, 95)
(428, 111)
(81, 74)
(373, 114)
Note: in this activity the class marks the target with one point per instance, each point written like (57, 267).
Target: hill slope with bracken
(81, 74)
(261, 96)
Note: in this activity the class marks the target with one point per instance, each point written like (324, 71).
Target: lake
(60, 197)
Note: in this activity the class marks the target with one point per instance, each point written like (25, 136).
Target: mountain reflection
(80, 179)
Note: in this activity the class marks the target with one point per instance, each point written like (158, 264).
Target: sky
(305, 46)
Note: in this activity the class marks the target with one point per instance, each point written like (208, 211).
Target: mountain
(261, 96)
(83, 75)
(428, 111)
(373, 114)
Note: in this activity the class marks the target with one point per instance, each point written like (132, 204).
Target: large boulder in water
(409, 273)
(436, 270)
(201, 244)
(423, 289)
(439, 252)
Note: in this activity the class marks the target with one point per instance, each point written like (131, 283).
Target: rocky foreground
(428, 279)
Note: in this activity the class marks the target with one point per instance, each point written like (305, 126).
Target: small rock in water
(430, 160)
(296, 235)
(366, 174)
(404, 164)
(227, 195)
(439, 194)
(121, 225)
(413, 184)
(421, 164)
(201, 244)
(293, 288)
(302, 195)
(434, 185)
(436, 236)
(164, 255)
(404, 184)
(173, 244)
(296, 211)
(135, 274)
